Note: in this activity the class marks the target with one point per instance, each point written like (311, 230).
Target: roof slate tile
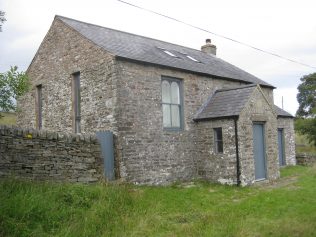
(148, 50)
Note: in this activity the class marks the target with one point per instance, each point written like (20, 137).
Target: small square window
(218, 140)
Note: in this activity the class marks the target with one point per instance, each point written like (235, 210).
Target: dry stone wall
(44, 155)
(305, 159)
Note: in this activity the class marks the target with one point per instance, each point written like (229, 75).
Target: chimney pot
(209, 48)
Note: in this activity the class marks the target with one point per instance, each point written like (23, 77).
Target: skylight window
(169, 53)
(193, 59)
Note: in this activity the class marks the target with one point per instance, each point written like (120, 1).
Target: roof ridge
(204, 105)
(236, 88)
(267, 100)
(68, 18)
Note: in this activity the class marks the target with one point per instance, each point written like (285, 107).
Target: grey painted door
(259, 151)
(281, 147)
(107, 151)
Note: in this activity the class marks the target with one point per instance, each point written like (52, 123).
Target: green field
(303, 146)
(284, 208)
(8, 118)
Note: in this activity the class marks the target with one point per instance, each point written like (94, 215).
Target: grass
(285, 208)
(8, 118)
(303, 146)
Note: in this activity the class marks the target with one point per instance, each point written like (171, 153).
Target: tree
(307, 127)
(306, 113)
(12, 85)
(2, 19)
(306, 96)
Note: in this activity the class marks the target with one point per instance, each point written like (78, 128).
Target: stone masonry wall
(62, 53)
(305, 159)
(219, 167)
(257, 110)
(123, 97)
(146, 152)
(289, 139)
(44, 155)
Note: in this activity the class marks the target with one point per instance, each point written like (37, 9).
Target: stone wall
(146, 152)
(125, 97)
(44, 155)
(218, 167)
(305, 159)
(289, 139)
(62, 53)
(258, 110)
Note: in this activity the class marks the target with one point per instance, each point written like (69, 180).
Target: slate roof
(225, 103)
(148, 50)
(282, 113)
(229, 103)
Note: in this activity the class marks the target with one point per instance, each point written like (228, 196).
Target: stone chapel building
(177, 113)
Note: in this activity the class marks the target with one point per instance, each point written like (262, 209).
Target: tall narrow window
(171, 103)
(76, 101)
(39, 106)
(218, 140)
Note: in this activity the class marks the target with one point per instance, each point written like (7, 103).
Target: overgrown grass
(8, 118)
(287, 208)
(302, 145)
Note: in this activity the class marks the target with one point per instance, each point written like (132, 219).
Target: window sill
(172, 129)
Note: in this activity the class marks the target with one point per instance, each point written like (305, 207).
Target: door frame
(264, 149)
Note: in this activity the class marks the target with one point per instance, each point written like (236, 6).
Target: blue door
(281, 147)
(259, 151)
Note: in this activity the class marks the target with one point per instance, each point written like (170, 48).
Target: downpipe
(237, 152)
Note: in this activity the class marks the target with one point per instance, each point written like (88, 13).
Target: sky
(286, 27)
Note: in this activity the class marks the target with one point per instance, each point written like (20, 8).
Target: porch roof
(225, 103)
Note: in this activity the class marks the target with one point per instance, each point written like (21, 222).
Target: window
(171, 103)
(76, 101)
(169, 53)
(39, 106)
(193, 59)
(218, 140)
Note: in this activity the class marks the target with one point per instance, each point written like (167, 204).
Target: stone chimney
(209, 48)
